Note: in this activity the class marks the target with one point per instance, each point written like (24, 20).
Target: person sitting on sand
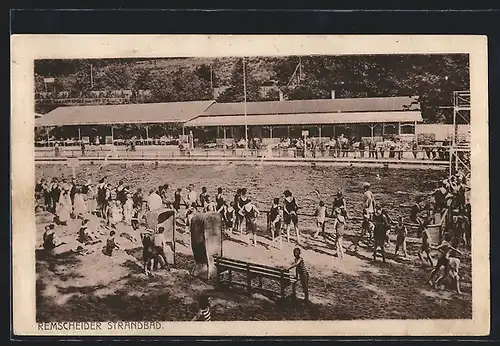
(203, 309)
(301, 272)
(50, 240)
(115, 214)
(444, 254)
(111, 244)
(84, 235)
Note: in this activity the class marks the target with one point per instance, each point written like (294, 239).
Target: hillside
(431, 77)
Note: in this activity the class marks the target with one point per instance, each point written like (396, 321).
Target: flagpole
(245, 104)
(91, 78)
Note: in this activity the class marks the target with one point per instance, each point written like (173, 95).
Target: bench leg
(282, 286)
(260, 281)
(249, 285)
(294, 291)
(218, 277)
(230, 276)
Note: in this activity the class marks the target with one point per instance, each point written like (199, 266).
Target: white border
(26, 48)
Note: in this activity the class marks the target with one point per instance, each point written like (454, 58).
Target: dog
(452, 273)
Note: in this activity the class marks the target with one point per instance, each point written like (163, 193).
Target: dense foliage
(431, 77)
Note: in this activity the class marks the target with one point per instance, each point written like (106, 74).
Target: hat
(366, 184)
(339, 193)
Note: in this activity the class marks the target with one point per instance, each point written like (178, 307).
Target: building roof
(381, 104)
(307, 118)
(146, 113)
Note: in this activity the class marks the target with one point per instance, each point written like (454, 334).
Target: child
(339, 202)
(202, 197)
(228, 215)
(320, 219)
(135, 218)
(115, 214)
(203, 309)
(159, 244)
(148, 251)
(379, 233)
(219, 198)
(177, 199)
(83, 233)
(250, 213)
(275, 219)
(301, 272)
(444, 254)
(415, 211)
(50, 241)
(209, 205)
(128, 209)
(290, 209)
(401, 233)
(339, 227)
(111, 244)
(190, 212)
(426, 241)
(367, 228)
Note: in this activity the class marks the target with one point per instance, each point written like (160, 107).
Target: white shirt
(192, 197)
(154, 201)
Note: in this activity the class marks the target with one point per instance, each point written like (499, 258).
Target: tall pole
(91, 78)
(245, 104)
(211, 80)
(300, 70)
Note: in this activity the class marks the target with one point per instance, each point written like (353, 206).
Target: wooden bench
(226, 266)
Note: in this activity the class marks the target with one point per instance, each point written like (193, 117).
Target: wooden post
(147, 133)
(415, 132)
(112, 135)
(249, 280)
(221, 239)
(282, 283)
(79, 134)
(224, 145)
(173, 236)
(217, 267)
(371, 129)
(271, 132)
(399, 128)
(288, 130)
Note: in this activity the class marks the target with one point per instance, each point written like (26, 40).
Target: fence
(424, 153)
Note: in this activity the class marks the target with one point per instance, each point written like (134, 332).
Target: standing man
(380, 232)
(154, 201)
(192, 196)
(368, 200)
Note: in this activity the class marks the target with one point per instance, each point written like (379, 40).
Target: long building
(356, 117)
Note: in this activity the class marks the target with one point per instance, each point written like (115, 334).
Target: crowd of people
(66, 198)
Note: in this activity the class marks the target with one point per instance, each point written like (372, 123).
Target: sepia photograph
(307, 186)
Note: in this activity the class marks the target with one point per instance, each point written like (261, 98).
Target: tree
(235, 92)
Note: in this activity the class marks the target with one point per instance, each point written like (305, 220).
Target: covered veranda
(272, 127)
(153, 123)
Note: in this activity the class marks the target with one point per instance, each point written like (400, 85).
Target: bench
(226, 266)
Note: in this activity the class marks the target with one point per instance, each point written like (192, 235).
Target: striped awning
(307, 119)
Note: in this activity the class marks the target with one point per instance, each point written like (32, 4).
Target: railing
(166, 152)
